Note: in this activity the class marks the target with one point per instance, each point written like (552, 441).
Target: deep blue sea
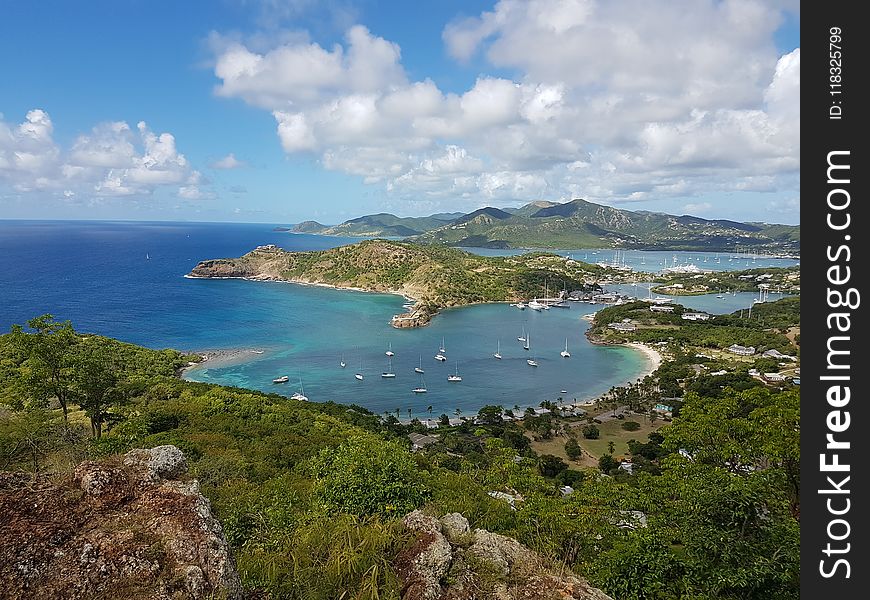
(126, 280)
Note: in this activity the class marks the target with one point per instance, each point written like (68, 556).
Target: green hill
(436, 276)
(582, 224)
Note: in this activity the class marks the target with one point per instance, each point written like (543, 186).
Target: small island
(431, 277)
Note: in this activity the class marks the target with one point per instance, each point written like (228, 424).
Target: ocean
(126, 280)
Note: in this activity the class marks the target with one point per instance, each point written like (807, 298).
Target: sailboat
(390, 352)
(564, 353)
(420, 368)
(147, 256)
(522, 338)
(498, 350)
(300, 395)
(359, 374)
(389, 372)
(526, 345)
(440, 356)
(531, 361)
(342, 363)
(455, 376)
(420, 389)
(282, 379)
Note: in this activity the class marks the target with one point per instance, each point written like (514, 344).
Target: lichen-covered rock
(417, 521)
(446, 562)
(501, 551)
(161, 462)
(117, 529)
(454, 526)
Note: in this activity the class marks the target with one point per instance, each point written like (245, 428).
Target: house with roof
(420, 441)
(741, 350)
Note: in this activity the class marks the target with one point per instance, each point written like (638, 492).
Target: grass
(609, 431)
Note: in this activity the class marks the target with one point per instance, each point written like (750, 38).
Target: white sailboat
(282, 379)
(455, 376)
(388, 374)
(522, 338)
(440, 356)
(498, 350)
(420, 389)
(532, 362)
(300, 395)
(389, 351)
(526, 345)
(420, 368)
(564, 353)
(359, 374)
(342, 363)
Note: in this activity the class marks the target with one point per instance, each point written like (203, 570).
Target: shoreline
(654, 357)
(221, 357)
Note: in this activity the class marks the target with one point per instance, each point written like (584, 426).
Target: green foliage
(367, 476)
(591, 432)
(607, 463)
(341, 557)
(630, 425)
(550, 465)
(572, 449)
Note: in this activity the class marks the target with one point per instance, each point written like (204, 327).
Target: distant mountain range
(574, 224)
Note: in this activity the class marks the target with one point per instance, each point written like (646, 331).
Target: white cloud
(228, 162)
(110, 160)
(616, 101)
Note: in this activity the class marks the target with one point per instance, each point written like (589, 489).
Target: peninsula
(434, 277)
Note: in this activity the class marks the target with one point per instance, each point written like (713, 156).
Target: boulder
(118, 528)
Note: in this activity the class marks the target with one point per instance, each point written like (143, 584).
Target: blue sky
(286, 110)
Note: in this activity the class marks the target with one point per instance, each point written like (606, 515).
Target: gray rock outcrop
(134, 527)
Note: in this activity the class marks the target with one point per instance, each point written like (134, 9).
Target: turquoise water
(652, 261)
(304, 332)
(126, 280)
(710, 303)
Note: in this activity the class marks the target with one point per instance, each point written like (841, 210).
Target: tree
(96, 385)
(48, 352)
(490, 415)
(28, 434)
(572, 449)
(607, 463)
(444, 420)
(591, 432)
(550, 465)
(610, 447)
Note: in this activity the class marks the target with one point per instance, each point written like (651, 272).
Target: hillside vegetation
(310, 496)
(437, 277)
(574, 224)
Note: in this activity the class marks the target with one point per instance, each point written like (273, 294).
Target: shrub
(631, 425)
(572, 449)
(368, 476)
(591, 432)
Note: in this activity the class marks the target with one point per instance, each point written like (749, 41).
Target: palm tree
(457, 412)
(409, 414)
(398, 412)
(429, 410)
(610, 447)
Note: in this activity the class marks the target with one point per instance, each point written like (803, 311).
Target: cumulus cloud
(617, 101)
(228, 162)
(110, 160)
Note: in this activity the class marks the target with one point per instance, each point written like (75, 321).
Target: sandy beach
(653, 356)
(223, 357)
